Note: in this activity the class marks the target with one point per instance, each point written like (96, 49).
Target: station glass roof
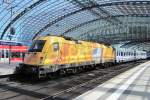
(110, 21)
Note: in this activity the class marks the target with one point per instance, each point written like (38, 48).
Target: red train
(17, 51)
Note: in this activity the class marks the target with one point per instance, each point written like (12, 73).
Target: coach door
(4, 56)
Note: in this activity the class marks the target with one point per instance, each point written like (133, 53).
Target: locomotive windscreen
(37, 46)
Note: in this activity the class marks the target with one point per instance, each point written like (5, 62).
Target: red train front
(14, 51)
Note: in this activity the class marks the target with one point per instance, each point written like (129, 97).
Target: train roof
(72, 39)
(15, 43)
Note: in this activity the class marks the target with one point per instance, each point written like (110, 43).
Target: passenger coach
(16, 50)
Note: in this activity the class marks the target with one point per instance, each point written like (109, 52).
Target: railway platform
(6, 68)
(133, 84)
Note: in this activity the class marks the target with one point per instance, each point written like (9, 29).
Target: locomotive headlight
(41, 59)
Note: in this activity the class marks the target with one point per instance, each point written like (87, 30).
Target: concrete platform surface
(133, 84)
(6, 68)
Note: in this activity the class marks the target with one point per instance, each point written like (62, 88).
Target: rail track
(6, 76)
(64, 88)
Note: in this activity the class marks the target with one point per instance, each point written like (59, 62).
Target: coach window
(2, 53)
(15, 54)
(121, 53)
(7, 54)
(134, 53)
(23, 55)
(56, 46)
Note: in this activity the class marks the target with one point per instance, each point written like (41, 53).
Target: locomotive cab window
(55, 46)
(15, 54)
(37, 46)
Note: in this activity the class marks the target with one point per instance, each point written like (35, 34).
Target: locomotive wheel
(49, 76)
(106, 65)
(74, 71)
(53, 75)
(33, 77)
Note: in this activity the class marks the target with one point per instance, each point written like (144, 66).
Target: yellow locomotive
(51, 54)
